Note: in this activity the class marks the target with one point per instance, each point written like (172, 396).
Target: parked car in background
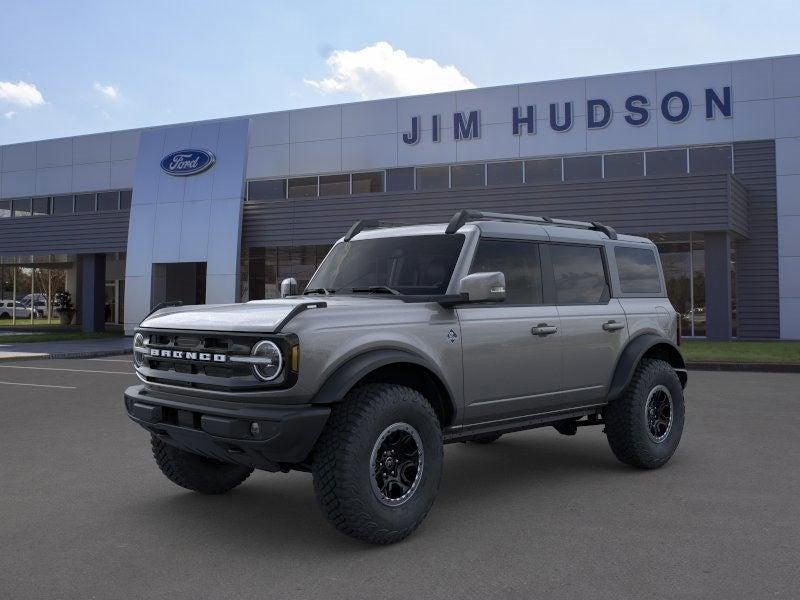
(39, 302)
(13, 308)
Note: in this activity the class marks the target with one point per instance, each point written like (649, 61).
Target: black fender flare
(353, 370)
(632, 355)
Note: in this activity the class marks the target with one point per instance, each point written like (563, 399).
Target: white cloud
(20, 93)
(10, 114)
(109, 91)
(380, 71)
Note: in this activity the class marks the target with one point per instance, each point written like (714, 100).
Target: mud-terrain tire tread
(624, 425)
(335, 461)
(197, 473)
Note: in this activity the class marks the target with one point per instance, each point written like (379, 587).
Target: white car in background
(12, 308)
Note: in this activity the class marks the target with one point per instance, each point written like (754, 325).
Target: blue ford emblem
(187, 162)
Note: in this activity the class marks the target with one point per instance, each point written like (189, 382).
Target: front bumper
(283, 435)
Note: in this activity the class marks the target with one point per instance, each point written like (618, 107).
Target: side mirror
(288, 287)
(483, 287)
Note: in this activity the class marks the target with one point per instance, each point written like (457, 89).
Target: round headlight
(138, 349)
(270, 361)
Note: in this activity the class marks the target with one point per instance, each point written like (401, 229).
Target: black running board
(457, 434)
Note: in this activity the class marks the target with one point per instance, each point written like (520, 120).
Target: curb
(752, 367)
(58, 355)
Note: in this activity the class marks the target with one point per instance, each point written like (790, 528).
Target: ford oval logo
(187, 162)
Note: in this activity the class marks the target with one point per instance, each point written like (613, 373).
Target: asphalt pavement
(85, 513)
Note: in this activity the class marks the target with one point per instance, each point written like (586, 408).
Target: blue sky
(69, 68)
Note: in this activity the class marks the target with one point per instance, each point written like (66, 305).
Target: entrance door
(184, 282)
(511, 350)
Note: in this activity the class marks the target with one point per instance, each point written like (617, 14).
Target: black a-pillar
(718, 286)
(93, 288)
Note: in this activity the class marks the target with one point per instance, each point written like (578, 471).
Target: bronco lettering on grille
(181, 354)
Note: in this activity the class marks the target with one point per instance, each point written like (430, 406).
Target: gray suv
(408, 338)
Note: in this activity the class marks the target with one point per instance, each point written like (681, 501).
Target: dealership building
(704, 160)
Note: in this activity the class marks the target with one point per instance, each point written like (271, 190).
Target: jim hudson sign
(674, 106)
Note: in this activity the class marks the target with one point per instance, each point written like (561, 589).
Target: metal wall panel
(641, 205)
(757, 257)
(58, 234)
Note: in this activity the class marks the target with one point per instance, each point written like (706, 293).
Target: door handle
(613, 326)
(543, 329)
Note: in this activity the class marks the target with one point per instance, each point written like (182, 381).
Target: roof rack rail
(363, 224)
(464, 216)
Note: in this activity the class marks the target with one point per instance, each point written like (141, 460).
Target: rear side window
(638, 270)
(519, 262)
(579, 274)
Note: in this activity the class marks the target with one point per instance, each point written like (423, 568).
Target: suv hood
(263, 316)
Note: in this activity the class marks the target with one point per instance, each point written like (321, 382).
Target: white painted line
(70, 370)
(61, 387)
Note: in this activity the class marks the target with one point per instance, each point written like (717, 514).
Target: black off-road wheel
(195, 472)
(644, 425)
(378, 463)
(486, 438)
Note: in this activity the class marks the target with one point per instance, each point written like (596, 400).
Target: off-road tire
(343, 477)
(195, 472)
(626, 423)
(486, 438)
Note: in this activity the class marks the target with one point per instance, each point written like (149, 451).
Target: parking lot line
(61, 387)
(70, 370)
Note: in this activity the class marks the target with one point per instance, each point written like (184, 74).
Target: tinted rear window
(638, 271)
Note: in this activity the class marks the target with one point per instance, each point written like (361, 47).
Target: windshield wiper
(375, 289)
(321, 290)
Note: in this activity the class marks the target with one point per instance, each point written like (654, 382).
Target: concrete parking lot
(84, 512)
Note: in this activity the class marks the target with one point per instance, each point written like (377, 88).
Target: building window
(267, 267)
(22, 207)
(125, 199)
(62, 205)
(683, 259)
(662, 163)
(5, 209)
(464, 176)
(367, 183)
(41, 206)
(547, 170)
(433, 178)
(629, 164)
(580, 168)
(270, 189)
(107, 201)
(334, 185)
(504, 173)
(400, 180)
(84, 203)
(303, 187)
(712, 159)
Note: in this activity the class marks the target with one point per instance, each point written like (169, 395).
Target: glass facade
(38, 291)
(265, 268)
(683, 257)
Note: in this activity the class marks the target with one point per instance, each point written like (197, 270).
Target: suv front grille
(201, 374)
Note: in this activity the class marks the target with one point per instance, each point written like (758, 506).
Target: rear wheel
(378, 463)
(644, 425)
(195, 472)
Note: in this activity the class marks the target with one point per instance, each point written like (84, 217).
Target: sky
(85, 66)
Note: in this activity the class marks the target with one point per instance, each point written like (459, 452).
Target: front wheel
(378, 463)
(644, 425)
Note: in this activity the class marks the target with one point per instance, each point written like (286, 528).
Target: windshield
(409, 265)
